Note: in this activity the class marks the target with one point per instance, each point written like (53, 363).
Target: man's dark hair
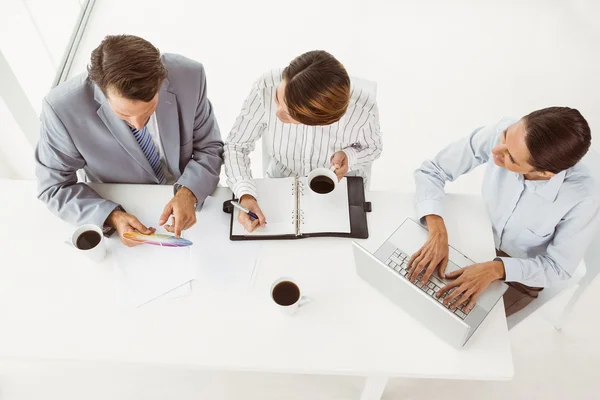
(557, 138)
(129, 65)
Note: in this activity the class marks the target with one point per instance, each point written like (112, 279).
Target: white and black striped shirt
(295, 150)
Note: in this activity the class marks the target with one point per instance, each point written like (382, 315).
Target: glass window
(34, 37)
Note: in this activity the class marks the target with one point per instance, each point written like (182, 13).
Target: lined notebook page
(325, 213)
(278, 203)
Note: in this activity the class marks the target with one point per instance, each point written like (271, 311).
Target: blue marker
(244, 209)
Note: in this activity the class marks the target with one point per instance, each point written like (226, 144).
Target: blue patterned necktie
(146, 143)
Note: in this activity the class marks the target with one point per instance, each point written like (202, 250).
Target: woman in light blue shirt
(543, 203)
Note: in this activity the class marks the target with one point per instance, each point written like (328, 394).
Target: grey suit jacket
(79, 130)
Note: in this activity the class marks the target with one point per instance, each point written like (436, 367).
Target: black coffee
(286, 293)
(88, 240)
(322, 184)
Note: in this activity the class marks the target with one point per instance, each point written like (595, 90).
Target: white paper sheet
(220, 263)
(148, 272)
(182, 291)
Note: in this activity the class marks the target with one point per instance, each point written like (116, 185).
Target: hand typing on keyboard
(433, 254)
(398, 262)
(468, 284)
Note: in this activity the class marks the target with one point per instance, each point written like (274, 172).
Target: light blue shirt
(545, 226)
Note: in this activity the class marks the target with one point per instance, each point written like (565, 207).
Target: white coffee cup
(287, 296)
(328, 173)
(97, 252)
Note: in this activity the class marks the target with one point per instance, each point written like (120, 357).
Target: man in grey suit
(135, 117)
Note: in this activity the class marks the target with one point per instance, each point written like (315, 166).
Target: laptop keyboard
(398, 262)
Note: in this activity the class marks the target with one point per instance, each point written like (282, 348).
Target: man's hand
(433, 254)
(183, 209)
(250, 224)
(124, 222)
(470, 282)
(340, 161)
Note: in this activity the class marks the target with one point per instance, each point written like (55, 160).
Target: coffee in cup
(287, 296)
(89, 240)
(322, 180)
(286, 293)
(322, 184)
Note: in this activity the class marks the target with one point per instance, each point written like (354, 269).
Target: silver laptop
(386, 271)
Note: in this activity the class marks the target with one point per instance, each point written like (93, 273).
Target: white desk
(55, 304)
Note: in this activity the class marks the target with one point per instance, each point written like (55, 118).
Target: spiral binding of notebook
(295, 212)
(300, 187)
(298, 214)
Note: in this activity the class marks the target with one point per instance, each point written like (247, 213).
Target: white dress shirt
(545, 226)
(295, 150)
(152, 127)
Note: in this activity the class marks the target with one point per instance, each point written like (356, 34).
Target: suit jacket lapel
(120, 130)
(167, 116)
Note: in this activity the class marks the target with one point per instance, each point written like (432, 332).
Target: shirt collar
(549, 191)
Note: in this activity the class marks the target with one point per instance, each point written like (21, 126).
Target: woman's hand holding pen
(249, 223)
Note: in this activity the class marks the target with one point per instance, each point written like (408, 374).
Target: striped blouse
(295, 150)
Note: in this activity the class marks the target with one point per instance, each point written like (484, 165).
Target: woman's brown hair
(129, 65)
(317, 90)
(557, 138)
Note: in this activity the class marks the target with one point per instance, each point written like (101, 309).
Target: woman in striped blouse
(311, 115)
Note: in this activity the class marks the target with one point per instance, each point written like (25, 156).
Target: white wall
(55, 22)
(443, 67)
(16, 154)
(33, 38)
(24, 50)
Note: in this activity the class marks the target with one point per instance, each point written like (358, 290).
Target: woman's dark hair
(557, 138)
(317, 90)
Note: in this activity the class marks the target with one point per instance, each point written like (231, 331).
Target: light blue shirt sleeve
(573, 207)
(455, 160)
(564, 253)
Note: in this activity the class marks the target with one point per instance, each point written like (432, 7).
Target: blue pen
(244, 209)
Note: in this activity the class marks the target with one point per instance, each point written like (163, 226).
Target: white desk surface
(55, 304)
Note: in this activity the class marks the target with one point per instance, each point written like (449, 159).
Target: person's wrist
(185, 192)
(436, 225)
(247, 197)
(113, 217)
(499, 272)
